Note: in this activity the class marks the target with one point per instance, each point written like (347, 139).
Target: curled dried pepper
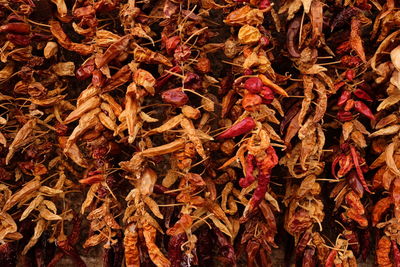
(292, 32)
(242, 127)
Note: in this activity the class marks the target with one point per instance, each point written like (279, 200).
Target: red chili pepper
(259, 193)
(86, 70)
(355, 183)
(18, 39)
(267, 94)
(338, 85)
(364, 109)
(249, 179)
(264, 41)
(171, 44)
(163, 79)
(350, 74)
(264, 4)
(98, 78)
(16, 27)
(362, 95)
(396, 254)
(331, 257)
(175, 97)
(253, 85)
(242, 127)
(301, 246)
(344, 116)
(358, 168)
(344, 97)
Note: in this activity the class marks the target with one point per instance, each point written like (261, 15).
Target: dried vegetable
(199, 133)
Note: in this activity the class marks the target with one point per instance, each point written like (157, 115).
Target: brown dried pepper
(383, 252)
(380, 208)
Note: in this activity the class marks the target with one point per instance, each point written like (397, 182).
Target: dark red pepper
(350, 74)
(253, 85)
(175, 97)
(364, 109)
(355, 183)
(242, 127)
(249, 179)
(18, 39)
(267, 94)
(16, 27)
(362, 95)
(86, 70)
(175, 253)
(344, 116)
(331, 257)
(344, 97)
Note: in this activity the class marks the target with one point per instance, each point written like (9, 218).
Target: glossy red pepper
(362, 95)
(253, 85)
(364, 109)
(344, 97)
(267, 94)
(242, 127)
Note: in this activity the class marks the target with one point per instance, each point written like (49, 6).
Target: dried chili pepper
(292, 32)
(242, 127)
(344, 97)
(362, 95)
